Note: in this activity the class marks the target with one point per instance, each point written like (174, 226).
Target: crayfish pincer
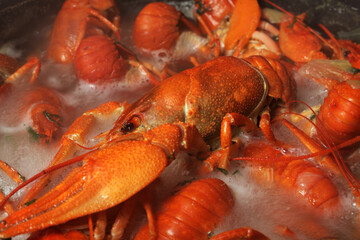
(178, 114)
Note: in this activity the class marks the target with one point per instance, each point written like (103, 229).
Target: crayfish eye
(128, 127)
(346, 53)
(131, 125)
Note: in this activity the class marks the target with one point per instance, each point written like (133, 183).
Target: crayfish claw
(108, 177)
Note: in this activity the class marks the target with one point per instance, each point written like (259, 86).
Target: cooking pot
(23, 17)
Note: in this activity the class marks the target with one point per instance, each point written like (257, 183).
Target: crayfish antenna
(32, 63)
(313, 146)
(337, 47)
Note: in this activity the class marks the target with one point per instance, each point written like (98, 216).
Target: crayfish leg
(100, 225)
(127, 210)
(265, 126)
(220, 158)
(32, 63)
(104, 20)
(122, 218)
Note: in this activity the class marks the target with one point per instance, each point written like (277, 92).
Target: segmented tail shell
(156, 27)
(302, 177)
(340, 112)
(192, 212)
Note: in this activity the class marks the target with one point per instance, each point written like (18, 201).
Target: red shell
(55, 234)
(340, 112)
(306, 180)
(98, 60)
(298, 43)
(192, 212)
(156, 27)
(215, 11)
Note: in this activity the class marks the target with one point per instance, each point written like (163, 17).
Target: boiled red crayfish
(79, 28)
(47, 112)
(98, 58)
(302, 177)
(300, 43)
(244, 24)
(195, 211)
(43, 104)
(232, 35)
(182, 111)
(157, 31)
(338, 113)
(76, 20)
(70, 26)
(157, 27)
(212, 13)
(274, 165)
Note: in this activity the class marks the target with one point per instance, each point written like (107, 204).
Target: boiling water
(262, 206)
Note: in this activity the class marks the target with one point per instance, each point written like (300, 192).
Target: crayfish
(182, 111)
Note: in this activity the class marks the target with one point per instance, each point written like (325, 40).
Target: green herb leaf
(292, 23)
(202, 8)
(224, 171)
(22, 177)
(185, 182)
(33, 133)
(30, 202)
(36, 136)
